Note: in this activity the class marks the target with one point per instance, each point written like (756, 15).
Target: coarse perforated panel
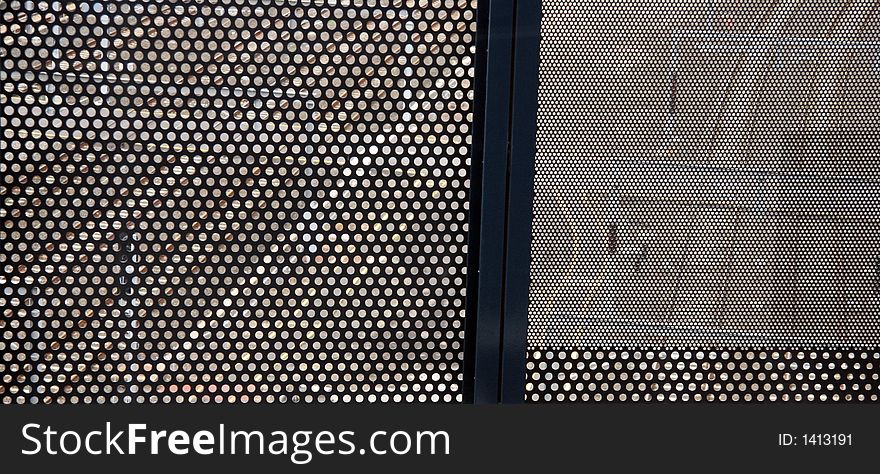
(234, 200)
(706, 215)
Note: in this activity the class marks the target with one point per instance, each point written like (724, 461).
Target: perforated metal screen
(706, 202)
(234, 200)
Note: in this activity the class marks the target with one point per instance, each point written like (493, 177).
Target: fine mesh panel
(234, 200)
(706, 216)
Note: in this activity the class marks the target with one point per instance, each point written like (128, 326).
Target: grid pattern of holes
(705, 180)
(234, 200)
(702, 376)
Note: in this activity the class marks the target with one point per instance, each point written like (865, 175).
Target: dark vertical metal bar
(520, 193)
(488, 201)
(476, 192)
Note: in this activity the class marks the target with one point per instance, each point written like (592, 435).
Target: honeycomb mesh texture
(234, 200)
(706, 214)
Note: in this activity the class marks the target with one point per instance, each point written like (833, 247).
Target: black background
(517, 438)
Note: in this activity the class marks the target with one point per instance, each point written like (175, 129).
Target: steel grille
(234, 200)
(706, 219)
